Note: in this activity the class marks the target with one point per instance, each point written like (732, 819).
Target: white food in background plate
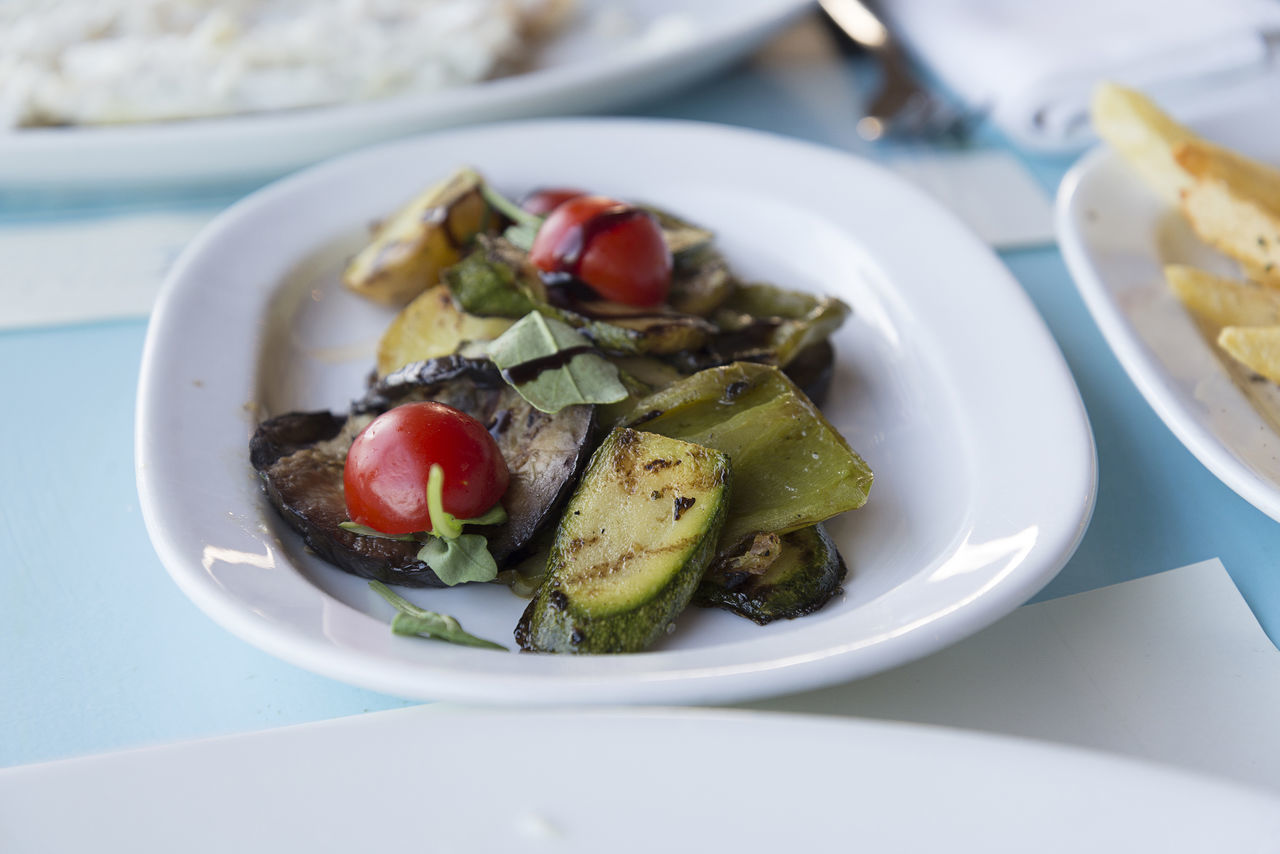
(111, 61)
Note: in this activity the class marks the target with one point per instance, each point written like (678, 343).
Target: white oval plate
(1116, 237)
(584, 69)
(947, 382)
(627, 781)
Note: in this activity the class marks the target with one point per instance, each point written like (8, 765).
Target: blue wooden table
(99, 650)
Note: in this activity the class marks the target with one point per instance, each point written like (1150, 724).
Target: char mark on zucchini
(624, 566)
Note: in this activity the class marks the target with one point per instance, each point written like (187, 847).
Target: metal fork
(901, 106)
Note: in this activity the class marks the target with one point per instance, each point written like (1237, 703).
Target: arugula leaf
(565, 369)
(495, 515)
(459, 559)
(412, 620)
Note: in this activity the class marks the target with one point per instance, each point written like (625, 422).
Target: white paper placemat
(1173, 668)
(84, 270)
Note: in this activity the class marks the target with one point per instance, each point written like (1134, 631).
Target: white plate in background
(589, 67)
(984, 461)
(439, 779)
(1116, 237)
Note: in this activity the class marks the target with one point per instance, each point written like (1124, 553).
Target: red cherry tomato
(543, 202)
(385, 479)
(616, 249)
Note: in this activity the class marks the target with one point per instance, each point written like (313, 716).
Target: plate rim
(695, 684)
(947, 754)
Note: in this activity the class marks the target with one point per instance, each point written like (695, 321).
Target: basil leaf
(412, 620)
(560, 376)
(463, 558)
(441, 627)
(486, 287)
(495, 515)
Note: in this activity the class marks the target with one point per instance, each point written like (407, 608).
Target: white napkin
(115, 271)
(1033, 65)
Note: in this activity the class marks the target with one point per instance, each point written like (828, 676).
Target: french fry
(1256, 347)
(1233, 205)
(1264, 275)
(1144, 135)
(1223, 302)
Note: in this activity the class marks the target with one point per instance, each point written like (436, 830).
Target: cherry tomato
(616, 249)
(544, 201)
(385, 479)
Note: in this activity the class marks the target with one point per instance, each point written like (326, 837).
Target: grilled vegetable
(800, 578)
(409, 250)
(791, 468)
(544, 452)
(632, 546)
(812, 370)
(493, 283)
(300, 458)
(680, 235)
(431, 326)
(700, 282)
(653, 331)
(762, 323)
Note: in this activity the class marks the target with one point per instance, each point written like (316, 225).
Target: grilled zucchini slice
(631, 548)
(801, 578)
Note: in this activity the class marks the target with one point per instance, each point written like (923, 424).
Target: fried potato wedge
(1223, 302)
(1233, 205)
(1255, 347)
(1144, 135)
(427, 235)
(432, 326)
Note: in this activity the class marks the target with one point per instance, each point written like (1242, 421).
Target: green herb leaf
(495, 515)
(443, 523)
(487, 287)
(508, 208)
(521, 236)
(575, 377)
(463, 558)
(366, 531)
(412, 620)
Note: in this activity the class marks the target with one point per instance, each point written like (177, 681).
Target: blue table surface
(101, 651)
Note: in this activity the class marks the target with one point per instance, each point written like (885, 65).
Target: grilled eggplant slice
(300, 457)
(800, 578)
(632, 546)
